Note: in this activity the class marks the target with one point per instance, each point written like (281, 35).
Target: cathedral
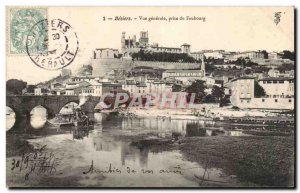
(132, 45)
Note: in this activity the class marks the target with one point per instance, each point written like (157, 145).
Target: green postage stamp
(22, 20)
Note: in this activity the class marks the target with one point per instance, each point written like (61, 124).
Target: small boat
(69, 119)
(62, 120)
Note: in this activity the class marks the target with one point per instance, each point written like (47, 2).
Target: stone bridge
(23, 105)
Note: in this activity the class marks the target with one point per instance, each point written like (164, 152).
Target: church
(132, 45)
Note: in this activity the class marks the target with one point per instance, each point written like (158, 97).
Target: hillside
(60, 79)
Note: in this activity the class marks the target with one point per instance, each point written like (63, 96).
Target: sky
(226, 28)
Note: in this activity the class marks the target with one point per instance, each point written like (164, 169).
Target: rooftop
(111, 84)
(141, 84)
(242, 78)
(166, 47)
(106, 49)
(185, 44)
(182, 71)
(276, 78)
(88, 77)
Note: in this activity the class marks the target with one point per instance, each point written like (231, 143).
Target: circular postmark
(55, 50)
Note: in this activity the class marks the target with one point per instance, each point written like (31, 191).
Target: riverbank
(196, 114)
(256, 161)
(161, 113)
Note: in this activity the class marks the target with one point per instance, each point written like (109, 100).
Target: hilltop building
(105, 53)
(132, 45)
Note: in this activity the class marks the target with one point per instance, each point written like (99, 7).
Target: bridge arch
(23, 105)
(66, 108)
(38, 116)
(49, 111)
(10, 118)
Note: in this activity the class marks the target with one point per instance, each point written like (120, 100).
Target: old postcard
(150, 97)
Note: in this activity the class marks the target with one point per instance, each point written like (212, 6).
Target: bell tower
(203, 65)
(123, 40)
(144, 40)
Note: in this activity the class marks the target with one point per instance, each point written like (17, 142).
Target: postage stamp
(52, 45)
(21, 22)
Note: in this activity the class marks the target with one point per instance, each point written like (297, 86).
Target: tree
(209, 98)
(30, 88)
(286, 67)
(248, 71)
(198, 87)
(218, 93)
(288, 55)
(209, 67)
(15, 87)
(265, 53)
(259, 91)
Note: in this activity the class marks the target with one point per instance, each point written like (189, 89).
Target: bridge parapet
(23, 105)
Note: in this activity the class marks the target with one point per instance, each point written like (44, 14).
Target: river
(109, 154)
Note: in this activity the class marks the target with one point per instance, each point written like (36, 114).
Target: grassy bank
(255, 160)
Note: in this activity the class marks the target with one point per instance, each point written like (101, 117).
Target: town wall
(265, 103)
(103, 67)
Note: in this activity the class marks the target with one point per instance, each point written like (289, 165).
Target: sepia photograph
(150, 97)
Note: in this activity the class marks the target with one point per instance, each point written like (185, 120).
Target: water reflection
(114, 141)
(102, 143)
(107, 151)
(164, 127)
(133, 153)
(80, 133)
(176, 128)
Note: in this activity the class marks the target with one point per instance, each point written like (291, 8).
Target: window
(275, 81)
(263, 100)
(290, 100)
(276, 100)
(281, 81)
(264, 82)
(269, 82)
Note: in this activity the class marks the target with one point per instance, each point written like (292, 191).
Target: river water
(107, 154)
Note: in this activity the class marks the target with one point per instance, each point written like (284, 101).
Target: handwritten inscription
(39, 162)
(110, 169)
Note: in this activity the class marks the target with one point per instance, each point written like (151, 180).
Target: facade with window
(153, 86)
(38, 91)
(105, 53)
(93, 89)
(279, 93)
(278, 87)
(186, 76)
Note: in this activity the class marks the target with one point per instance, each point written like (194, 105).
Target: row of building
(133, 45)
(279, 91)
(279, 88)
(94, 86)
